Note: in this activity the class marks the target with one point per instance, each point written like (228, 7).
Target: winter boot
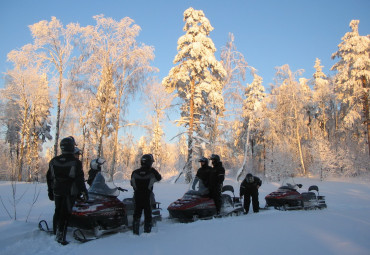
(147, 227)
(135, 227)
(60, 236)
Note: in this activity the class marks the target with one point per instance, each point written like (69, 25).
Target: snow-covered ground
(342, 228)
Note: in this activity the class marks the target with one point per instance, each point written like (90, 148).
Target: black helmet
(67, 145)
(147, 160)
(203, 159)
(249, 178)
(97, 163)
(215, 157)
(73, 139)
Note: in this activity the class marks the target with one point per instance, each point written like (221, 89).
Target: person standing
(142, 181)
(216, 179)
(95, 167)
(249, 188)
(202, 176)
(65, 180)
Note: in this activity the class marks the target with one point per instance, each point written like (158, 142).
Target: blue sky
(269, 33)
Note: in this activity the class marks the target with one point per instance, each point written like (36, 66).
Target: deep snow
(342, 228)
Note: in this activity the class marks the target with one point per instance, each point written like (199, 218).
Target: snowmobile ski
(44, 227)
(80, 236)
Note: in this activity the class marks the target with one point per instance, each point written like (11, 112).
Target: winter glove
(85, 197)
(51, 196)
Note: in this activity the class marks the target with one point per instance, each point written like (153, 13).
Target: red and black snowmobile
(196, 204)
(104, 212)
(287, 197)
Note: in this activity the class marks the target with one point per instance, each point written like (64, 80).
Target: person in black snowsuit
(65, 180)
(202, 176)
(95, 167)
(249, 188)
(215, 182)
(142, 181)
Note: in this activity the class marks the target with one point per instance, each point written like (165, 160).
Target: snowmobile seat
(228, 188)
(313, 187)
(307, 196)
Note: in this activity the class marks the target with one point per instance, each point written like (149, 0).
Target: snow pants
(142, 202)
(62, 213)
(215, 194)
(247, 200)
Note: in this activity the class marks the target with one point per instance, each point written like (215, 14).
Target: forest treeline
(81, 81)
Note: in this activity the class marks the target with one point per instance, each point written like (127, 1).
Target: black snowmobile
(287, 197)
(196, 204)
(103, 213)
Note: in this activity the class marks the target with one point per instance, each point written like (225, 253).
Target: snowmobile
(287, 197)
(104, 212)
(196, 204)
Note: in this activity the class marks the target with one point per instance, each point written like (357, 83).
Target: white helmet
(96, 163)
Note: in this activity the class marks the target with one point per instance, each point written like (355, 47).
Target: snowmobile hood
(191, 200)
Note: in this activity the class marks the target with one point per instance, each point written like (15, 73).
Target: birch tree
(111, 53)
(254, 95)
(55, 42)
(236, 71)
(353, 78)
(289, 109)
(157, 102)
(197, 79)
(27, 87)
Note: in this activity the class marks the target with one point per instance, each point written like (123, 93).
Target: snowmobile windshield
(198, 188)
(99, 187)
(289, 183)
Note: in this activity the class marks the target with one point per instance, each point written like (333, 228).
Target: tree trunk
(366, 111)
(244, 166)
(58, 112)
(116, 128)
(298, 137)
(23, 132)
(188, 166)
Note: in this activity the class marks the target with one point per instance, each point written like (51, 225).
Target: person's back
(142, 181)
(66, 170)
(65, 180)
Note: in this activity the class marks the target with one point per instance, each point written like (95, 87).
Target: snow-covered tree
(157, 102)
(197, 79)
(254, 95)
(353, 78)
(322, 96)
(111, 53)
(27, 89)
(236, 71)
(290, 99)
(55, 43)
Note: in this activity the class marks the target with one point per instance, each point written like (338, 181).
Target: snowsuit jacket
(245, 186)
(216, 177)
(142, 180)
(65, 176)
(203, 174)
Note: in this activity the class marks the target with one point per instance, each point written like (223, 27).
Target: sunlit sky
(268, 33)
